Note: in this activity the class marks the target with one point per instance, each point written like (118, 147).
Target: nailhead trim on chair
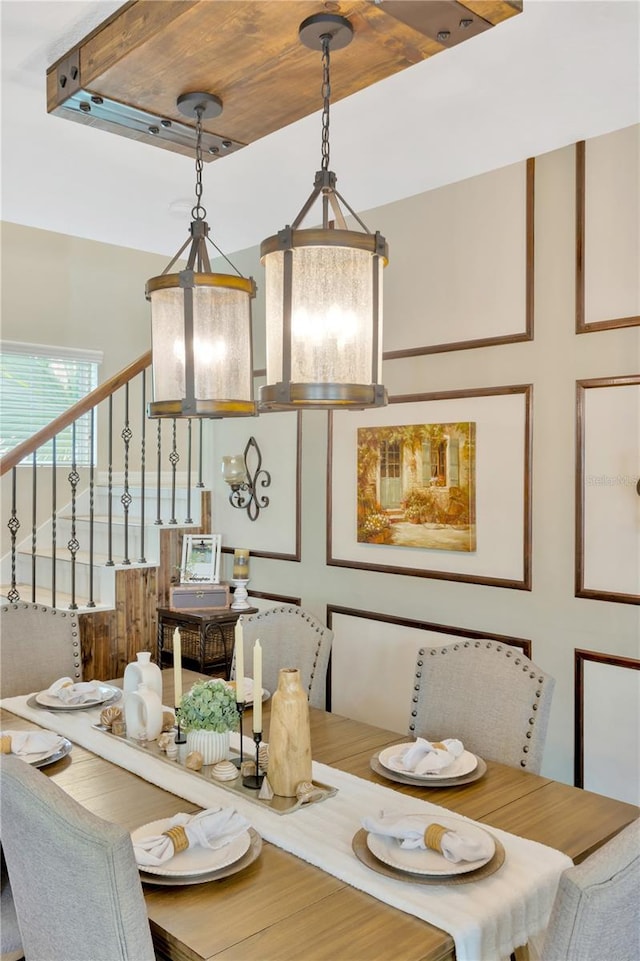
(54, 612)
(499, 648)
(303, 616)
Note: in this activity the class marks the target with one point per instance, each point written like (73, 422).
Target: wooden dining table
(281, 908)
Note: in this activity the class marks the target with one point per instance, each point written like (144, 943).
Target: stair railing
(102, 406)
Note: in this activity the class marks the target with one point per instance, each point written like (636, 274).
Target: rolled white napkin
(429, 757)
(420, 834)
(24, 743)
(70, 693)
(213, 828)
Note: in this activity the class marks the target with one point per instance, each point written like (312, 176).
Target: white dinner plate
(391, 758)
(49, 757)
(195, 860)
(428, 862)
(248, 691)
(106, 694)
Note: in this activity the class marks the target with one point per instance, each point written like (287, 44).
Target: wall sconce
(244, 482)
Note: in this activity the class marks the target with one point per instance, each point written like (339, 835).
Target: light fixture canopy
(200, 320)
(323, 285)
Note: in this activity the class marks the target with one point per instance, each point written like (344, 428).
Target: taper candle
(240, 697)
(177, 667)
(257, 688)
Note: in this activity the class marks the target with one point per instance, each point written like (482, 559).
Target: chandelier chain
(326, 97)
(198, 212)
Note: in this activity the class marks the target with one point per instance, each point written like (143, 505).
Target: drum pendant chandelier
(323, 286)
(201, 321)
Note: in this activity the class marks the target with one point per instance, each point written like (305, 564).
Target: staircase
(113, 550)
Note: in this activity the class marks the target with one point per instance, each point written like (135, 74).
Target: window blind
(38, 384)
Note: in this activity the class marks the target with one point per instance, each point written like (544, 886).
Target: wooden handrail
(96, 397)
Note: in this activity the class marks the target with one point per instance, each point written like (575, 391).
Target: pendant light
(201, 321)
(324, 285)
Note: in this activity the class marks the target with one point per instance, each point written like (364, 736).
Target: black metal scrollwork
(245, 496)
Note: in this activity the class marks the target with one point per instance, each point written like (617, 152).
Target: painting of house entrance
(417, 486)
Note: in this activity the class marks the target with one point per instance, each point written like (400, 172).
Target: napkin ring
(5, 744)
(433, 836)
(439, 746)
(178, 837)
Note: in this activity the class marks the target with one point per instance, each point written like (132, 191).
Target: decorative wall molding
(613, 755)
(607, 523)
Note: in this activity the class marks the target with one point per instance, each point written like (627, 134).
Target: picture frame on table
(200, 559)
(499, 551)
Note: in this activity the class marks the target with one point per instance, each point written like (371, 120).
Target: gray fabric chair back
(10, 940)
(487, 694)
(38, 645)
(289, 637)
(596, 913)
(74, 878)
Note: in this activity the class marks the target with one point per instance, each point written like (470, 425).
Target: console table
(207, 636)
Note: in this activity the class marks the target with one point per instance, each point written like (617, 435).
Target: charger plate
(251, 855)
(400, 778)
(361, 850)
(63, 750)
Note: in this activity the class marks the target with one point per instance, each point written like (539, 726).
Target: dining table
(284, 907)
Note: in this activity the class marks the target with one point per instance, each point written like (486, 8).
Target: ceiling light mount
(322, 26)
(324, 285)
(204, 105)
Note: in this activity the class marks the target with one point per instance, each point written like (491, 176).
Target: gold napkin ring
(439, 746)
(5, 744)
(433, 836)
(178, 837)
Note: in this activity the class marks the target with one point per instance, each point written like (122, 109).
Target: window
(38, 384)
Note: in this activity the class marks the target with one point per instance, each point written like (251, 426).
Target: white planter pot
(213, 746)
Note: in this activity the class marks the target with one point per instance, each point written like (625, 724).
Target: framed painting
(200, 559)
(434, 485)
(607, 566)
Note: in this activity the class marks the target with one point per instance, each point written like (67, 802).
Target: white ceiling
(561, 71)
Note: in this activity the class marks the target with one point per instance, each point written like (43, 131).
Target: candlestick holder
(254, 781)
(240, 595)
(238, 760)
(180, 738)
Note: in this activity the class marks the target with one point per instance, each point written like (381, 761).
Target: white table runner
(487, 918)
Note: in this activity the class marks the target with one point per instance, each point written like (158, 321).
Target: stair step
(82, 557)
(63, 601)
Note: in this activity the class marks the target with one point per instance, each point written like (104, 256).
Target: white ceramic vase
(213, 746)
(143, 671)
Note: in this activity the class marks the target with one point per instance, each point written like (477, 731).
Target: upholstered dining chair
(10, 940)
(38, 644)
(487, 694)
(289, 637)
(595, 913)
(74, 878)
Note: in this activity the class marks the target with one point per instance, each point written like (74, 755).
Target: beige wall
(75, 305)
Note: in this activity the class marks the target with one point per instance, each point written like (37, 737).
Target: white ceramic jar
(213, 746)
(143, 671)
(143, 714)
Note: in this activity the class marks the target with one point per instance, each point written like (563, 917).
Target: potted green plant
(208, 714)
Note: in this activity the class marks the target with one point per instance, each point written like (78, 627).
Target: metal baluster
(142, 559)
(110, 488)
(125, 499)
(72, 543)
(34, 485)
(200, 483)
(158, 473)
(91, 602)
(13, 524)
(174, 457)
(188, 519)
(54, 521)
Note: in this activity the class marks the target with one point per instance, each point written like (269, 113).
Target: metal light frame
(320, 32)
(190, 287)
